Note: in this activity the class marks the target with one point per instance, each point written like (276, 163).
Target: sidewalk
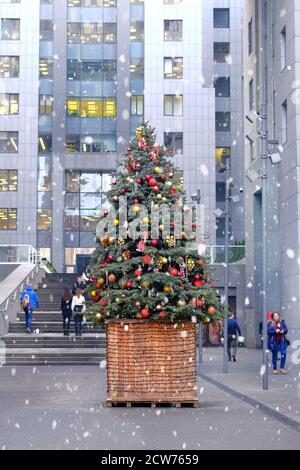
(244, 377)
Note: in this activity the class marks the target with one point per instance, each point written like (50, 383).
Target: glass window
(223, 155)
(10, 29)
(91, 143)
(109, 143)
(8, 219)
(88, 220)
(74, 3)
(91, 33)
(8, 180)
(44, 174)
(223, 121)
(173, 30)
(9, 103)
(74, 69)
(173, 67)
(283, 48)
(222, 87)
(46, 68)
(91, 70)
(72, 181)
(284, 120)
(46, 104)
(90, 107)
(250, 36)
(90, 201)
(137, 69)
(9, 66)
(90, 182)
(44, 219)
(73, 107)
(109, 107)
(136, 30)
(45, 143)
(46, 30)
(9, 142)
(74, 33)
(220, 191)
(137, 105)
(174, 140)
(221, 51)
(251, 95)
(172, 2)
(110, 32)
(173, 105)
(72, 220)
(72, 143)
(110, 3)
(110, 70)
(221, 18)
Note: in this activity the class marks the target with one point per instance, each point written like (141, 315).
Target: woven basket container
(151, 361)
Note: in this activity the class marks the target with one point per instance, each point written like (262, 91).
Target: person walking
(277, 342)
(29, 300)
(66, 310)
(78, 309)
(78, 284)
(233, 332)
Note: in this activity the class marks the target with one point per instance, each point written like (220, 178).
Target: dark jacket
(277, 340)
(78, 285)
(233, 327)
(66, 309)
(33, 298)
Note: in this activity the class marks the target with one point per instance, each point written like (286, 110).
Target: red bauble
(97, 298)
(152, 182)
(135, 201)
(93, 278)
(199, 303)
(111, 278)
(198, 283)
(147, 259)
(154, 243)
(201, 262)
(138, 167)
(123, 190)
(105, 213)
(214, 286)
(211, 310)
(147, 177)
(173, 191)
(156, 189)
(110, 258)
(104, 302)
(128, 284)
(174, 272)
(163, 314)
(139, 180)
(145, 313)
(197, 277)
(138, 272)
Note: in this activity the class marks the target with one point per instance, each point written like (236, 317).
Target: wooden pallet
(151, 404)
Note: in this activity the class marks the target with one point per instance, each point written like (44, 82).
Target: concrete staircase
(47, 345)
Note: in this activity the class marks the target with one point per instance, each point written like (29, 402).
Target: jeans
(232, 343)
(66, 324)
(78, 324)
(275, 357)
(28, 317)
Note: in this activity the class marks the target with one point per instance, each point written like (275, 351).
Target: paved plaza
(63, 407)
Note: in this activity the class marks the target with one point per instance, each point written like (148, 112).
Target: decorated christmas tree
(142, 267)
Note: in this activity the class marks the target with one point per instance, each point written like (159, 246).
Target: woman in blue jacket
(277, 342)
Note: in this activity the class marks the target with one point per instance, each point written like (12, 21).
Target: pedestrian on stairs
(29, 300)
(78, 309)
(66, 310)
(79, 284)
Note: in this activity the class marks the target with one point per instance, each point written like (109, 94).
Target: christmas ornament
(145, 284)
(94, 294)
(136, 209)
(211, 310)
(190, 264)
(199, 283)
(116, 222)
(181, 271)
(141, 246)
(97, 298)
(104, 302)
(181, 303)
(122, 283)
(159, 197)
(121, 242)
(128, 284)
(145, 313)
(126, 255)
(163, 314)
(101, 281)
(170, 240)
(154, 243)
(110, 258)
(152, 182)
(147, 260)
(138, 272)
(174, 272)
(157, 170)
(145, 220)
(111, 278)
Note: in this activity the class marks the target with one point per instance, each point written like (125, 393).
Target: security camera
(241, 190)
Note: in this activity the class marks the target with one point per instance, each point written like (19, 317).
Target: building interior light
(42, 143)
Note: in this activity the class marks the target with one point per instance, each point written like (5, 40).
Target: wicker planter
(152, 362)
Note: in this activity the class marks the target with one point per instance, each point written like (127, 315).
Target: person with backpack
(78, 309)
(29, 300)
(277, 342)
(234, 331)
(66, 310)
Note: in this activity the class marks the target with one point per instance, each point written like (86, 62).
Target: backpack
(26, 301)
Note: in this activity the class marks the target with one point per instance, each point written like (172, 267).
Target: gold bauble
(111, 240)
(121, 242)
(161, 228)
(116, 222)
(146, 220)
(157, 170)
(169, 184)
(181, 303)
(159, 197)
(136, 209)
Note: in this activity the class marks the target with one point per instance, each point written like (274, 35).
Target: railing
(216, 253)
(18, 254)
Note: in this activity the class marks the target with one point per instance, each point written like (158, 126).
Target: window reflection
(9, 142)
(10, 29)
(44, 219)
(9, 66)
(9, 103)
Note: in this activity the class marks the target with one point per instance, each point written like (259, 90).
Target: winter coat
(233, 327)
(33, 298)
(80, 286)
(277, 341)
(78, 301)
(66, 309)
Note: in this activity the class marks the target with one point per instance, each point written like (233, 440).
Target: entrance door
(82, 261)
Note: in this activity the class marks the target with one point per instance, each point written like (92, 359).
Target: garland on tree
(155, 279)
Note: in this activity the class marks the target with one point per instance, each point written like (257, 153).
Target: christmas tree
(135, 275)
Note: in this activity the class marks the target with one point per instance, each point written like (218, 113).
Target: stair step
(52, 327)
(53, 340)
(46, 356)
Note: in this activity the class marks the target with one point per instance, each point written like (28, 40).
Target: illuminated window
(173, 105)
(44, 219)
(9, 66)
(110, 32)
(222, 154)
(73, 107)
(136, 30)
(90, 108)
(91, 33)
(45, 143)
(8, 219)
(72, 143)
(137, 68)
(46, 68)
(173, 30)
(91, 143)
(173, 67)
(8, 180)
(10, 29)
(109, 107)
(9, 103)
(46, 104)
(74, 33)
(9, 142)
(137, 105)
